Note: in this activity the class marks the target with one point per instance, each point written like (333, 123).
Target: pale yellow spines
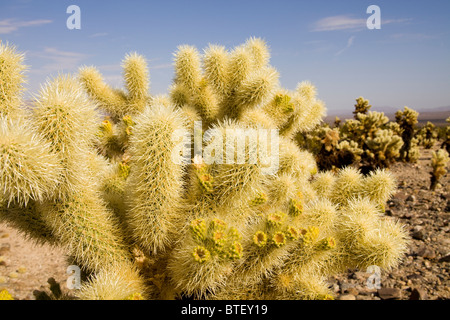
(64, 115)
(190, 79)
(306, 285)
(308, 110)
(280, 107)
(203, 259)
(12, 79)
(348, 185)
(215, 62)
(254, 89)
(155, 182)
(259, 51)
(240, 173)
(439, 161)
(357, 221)
(321, 213)
(240, 65)
(379, 186)
(385, 246)
(86, 229)
(28, 168)
(281, 188)
(114, 282)
(266, 245)
(299, 163)
(323, 183)
(113, 101)
(136, 76)
(188, 67)
(67, 120)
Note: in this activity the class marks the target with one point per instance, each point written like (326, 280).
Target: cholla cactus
(407, 119)
(446, 143)
(384, 148)
(439, 161)
(373, 139)
(150, 216)
(330, 151)
(11, 81)
(427, 136)
(362, 106)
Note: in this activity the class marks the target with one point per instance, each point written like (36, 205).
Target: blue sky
(405, 63)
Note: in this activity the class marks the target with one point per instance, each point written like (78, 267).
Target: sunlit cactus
(203, 193)
(407, 120)
(362, 106)
(439, 162)
(12, 80)
(427, 136)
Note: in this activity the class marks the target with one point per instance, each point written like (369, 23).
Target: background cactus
(427, 136)
(407, 120)
(141, 224)
(439, 161)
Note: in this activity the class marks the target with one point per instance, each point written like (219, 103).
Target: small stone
(426, 253)
(5, 247)
(445, 258)
(418, 294)
(352, 291)
(4, 235)
(411, 198)
(389, 293)
(418, 233)
(13, 275)
(3, 280)
(347, 297)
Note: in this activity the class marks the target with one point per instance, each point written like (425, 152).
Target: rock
(445, 258)
(418, 294)
(411, 198)
(352, 291)
(389, 293)
(5, 247)
(418, 233)
(426, 253)
(347, 297)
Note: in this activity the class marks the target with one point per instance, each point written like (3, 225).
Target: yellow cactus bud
(275, 219)
(198, 228)
(292, 233)
(279, 239)
(260, 239)
(295, 208)
(201, 254)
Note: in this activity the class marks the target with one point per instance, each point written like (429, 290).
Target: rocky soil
(424, 273)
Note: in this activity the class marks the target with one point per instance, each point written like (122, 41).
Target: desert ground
(424, 273)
